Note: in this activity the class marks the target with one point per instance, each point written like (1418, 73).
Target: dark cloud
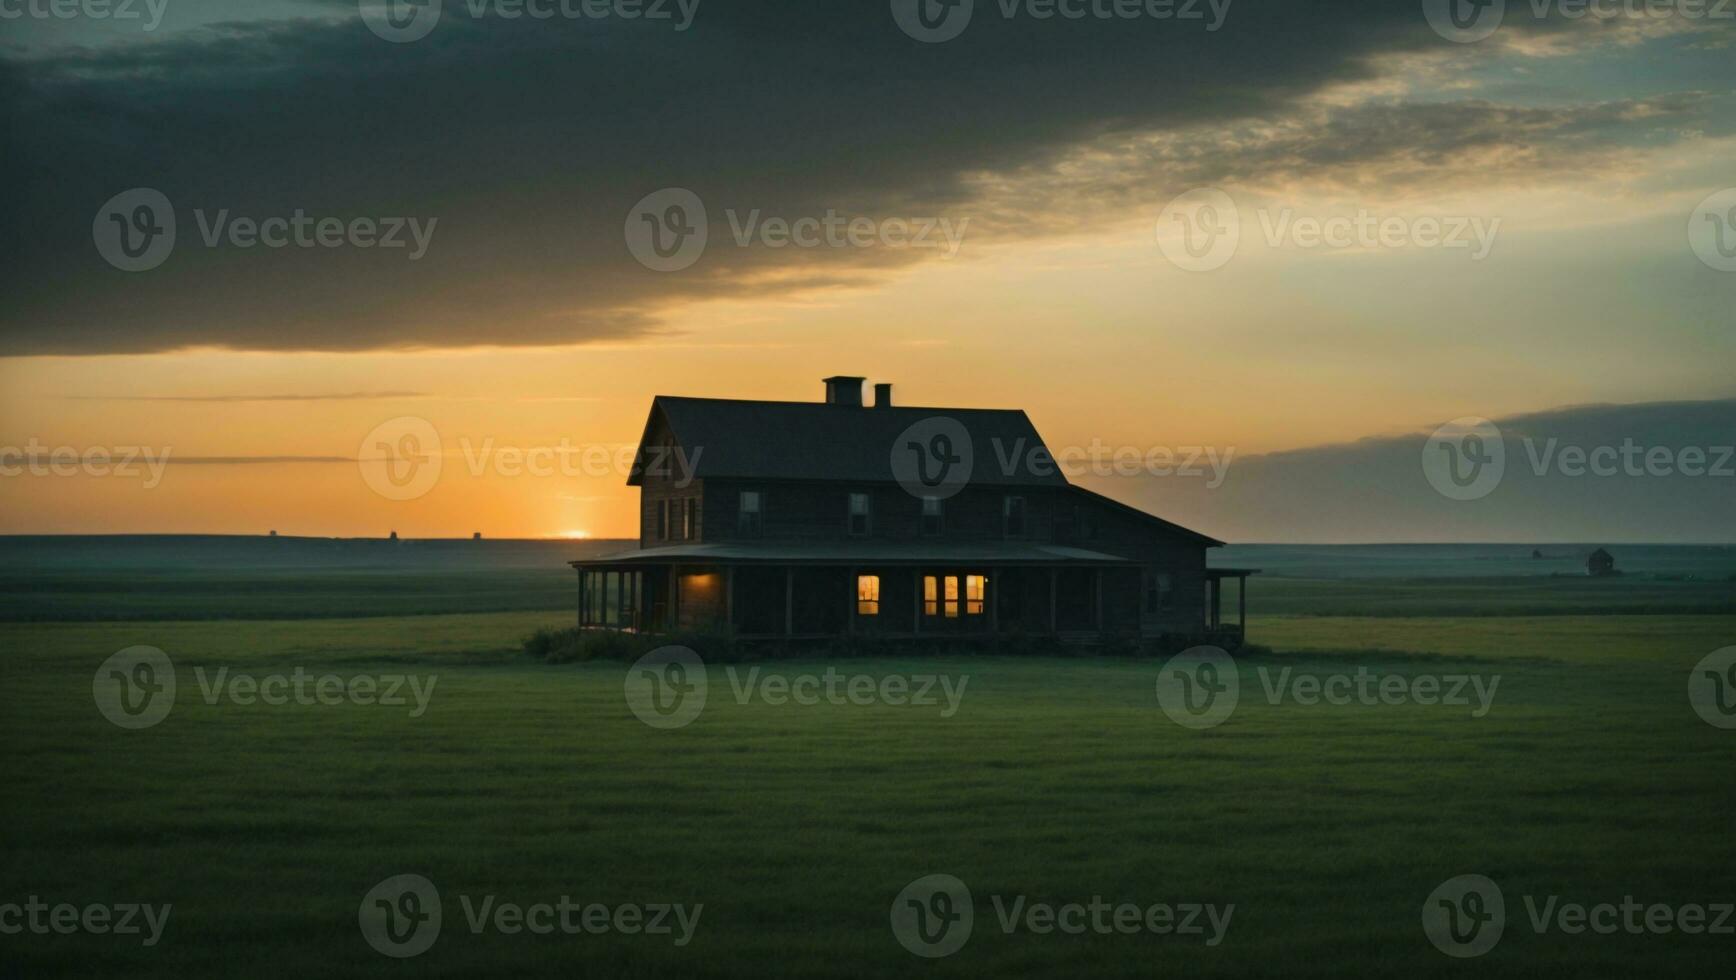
(530, 141)
(1376, 489)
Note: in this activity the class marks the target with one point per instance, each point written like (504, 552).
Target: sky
(1297, 236)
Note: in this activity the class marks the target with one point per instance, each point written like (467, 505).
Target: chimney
(843, 389)
(883, 395)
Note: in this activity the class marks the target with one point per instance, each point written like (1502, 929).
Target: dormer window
(861, 514)
(1013, 517)
(932, 515)
(748, 512)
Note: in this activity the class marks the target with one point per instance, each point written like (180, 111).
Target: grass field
(795, 825)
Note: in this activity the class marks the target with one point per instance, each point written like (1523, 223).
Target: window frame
(750, 522)
(1007, 516)
(867, 595)
(867, 514)
(932, 524)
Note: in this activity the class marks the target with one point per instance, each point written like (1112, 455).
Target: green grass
(1058, 779)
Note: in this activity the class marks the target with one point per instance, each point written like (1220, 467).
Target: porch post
(1054, 623)
(1242, 604)
(789, 601)
(915, 601)
(851, 578)
(1097, 597)
(729, 595)
(674, 597)
(1217, 585)
(581, 623)
(992, 596)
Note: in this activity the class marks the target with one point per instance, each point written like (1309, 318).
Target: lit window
(952, 597)
(867, 595)
(974, 586)
(859, 513)
(748, 512)
(931, 515)
(930, 596)
(1013, 517)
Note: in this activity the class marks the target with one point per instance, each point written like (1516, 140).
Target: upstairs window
(1013, 517)
(663, 520)
(861, 514)
(932, 515)
(689, 517)
(1158, 592)
(748, 514)
(867, 595)
(1084, 522)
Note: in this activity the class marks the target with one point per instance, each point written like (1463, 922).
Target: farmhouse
(819, 519)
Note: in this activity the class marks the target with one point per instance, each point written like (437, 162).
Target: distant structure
(477, 536)
(274, 534)
(1600, 563)
(1536, 553)
(394, 536)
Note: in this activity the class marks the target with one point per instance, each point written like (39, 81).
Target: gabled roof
(1132, 511)
(818, 441)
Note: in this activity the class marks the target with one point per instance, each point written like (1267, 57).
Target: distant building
(476, 536)
(394, 536)
(1601, 562)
